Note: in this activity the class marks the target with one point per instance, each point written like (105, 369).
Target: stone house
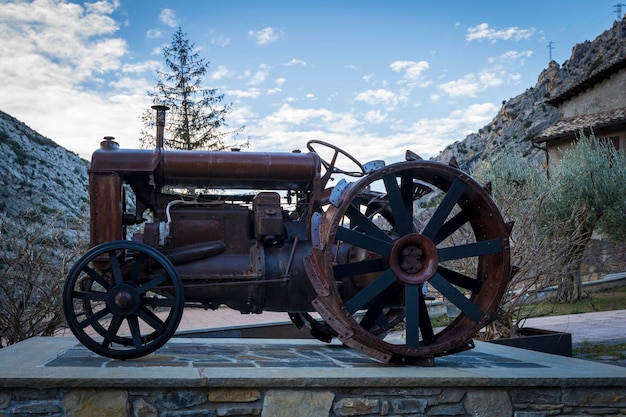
(597, 103)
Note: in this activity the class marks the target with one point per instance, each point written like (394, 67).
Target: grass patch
(607, 352)
(607, 300)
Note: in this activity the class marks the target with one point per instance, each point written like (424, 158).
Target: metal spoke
(426, 327)
(116, 270)
(96, 277)
(451, 226)
(89, 296)
(151, 319)
(460, 280)
(154, 282)
(358, 268)
(411, 301)
(139, 262)
(364, 224)
(383, 321)
(94, 317)
(370, 292)
(484, 247)
(135, 331)
(111, 332)
(158, 302)
(374, 313)
(406, 190)
(403, 219)
(445, 208)
(363, 241)
(456, 297)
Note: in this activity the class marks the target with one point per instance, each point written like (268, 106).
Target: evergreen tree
(197, 118)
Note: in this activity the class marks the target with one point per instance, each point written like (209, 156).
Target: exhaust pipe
(160, 124)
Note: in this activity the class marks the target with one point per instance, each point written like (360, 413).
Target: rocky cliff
(39, 180)
(523, 117)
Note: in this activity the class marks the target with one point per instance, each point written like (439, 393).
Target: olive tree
(589, 196)
(555, 218)
(538, 248)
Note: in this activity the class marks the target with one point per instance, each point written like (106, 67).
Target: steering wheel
(330, 166)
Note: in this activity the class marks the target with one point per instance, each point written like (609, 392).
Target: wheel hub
(123, 300)
(414, 259)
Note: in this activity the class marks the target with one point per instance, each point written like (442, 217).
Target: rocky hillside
(39, 180)
(526, 115)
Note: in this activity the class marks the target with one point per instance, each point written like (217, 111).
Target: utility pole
(550, 48)
(618, 10)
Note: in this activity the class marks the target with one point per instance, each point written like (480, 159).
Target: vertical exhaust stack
(160, 125)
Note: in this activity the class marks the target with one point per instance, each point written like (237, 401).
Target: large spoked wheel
(123, 299)
(455, 240)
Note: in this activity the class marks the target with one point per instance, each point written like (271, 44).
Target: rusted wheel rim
(464, 206)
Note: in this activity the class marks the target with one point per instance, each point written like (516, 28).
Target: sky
(373, 77)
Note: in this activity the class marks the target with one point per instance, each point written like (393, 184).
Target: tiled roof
(573, 125)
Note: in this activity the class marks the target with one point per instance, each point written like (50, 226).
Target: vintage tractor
(269, 234)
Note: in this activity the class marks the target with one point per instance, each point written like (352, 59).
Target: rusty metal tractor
(268, 233)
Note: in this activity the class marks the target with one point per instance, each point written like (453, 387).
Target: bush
(34, 259)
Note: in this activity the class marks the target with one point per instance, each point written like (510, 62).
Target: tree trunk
(570, 288)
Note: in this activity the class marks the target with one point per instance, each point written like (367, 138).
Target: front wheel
(123, 299)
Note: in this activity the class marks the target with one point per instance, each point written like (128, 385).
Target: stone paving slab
(56, 362)
(604, 326)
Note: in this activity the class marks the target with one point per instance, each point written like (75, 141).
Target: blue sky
(373, 77)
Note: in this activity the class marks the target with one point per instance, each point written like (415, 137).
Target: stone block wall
(603, 257)
(323, 402)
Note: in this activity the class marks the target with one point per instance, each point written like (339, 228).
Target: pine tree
(197, 118)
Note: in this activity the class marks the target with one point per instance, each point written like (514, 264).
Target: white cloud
(470, 84)
(279, 82)
(219, 40)
(140, 67)
(412, 70)
(221, 72)
(251, 93)
(154, 34)
(380, 96)
(484, 32)
(287, 115)
(265, 36)
(512, 56)
(102, 7)
(375, 116)
(259, 76)
(296, 62)
(62, 55)
(168, 17)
